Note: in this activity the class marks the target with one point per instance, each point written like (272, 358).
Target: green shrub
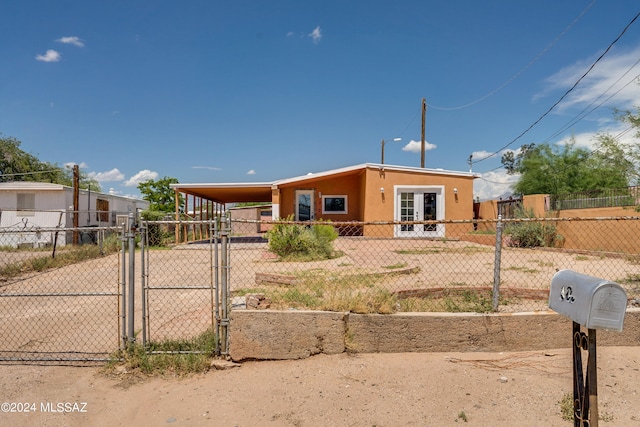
(158, 234)
(531, 234)
(298, 241)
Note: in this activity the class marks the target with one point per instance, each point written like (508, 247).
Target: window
(334, 204)
(26, 204)
(102, 208)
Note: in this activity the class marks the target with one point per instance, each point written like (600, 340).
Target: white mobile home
(31, 206)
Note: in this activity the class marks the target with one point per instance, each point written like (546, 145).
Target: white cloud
(493, 184)
(251, 172)
(211, 168)
(481, 155)
(614, 75)
(142, 176)
(50, 56)
(109, 176)
(76, 41)
(415, 146)
(316, 35)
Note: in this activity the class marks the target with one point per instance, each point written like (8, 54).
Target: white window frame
(336, 196)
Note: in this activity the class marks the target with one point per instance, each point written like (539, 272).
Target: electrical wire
(580, 116)
(522, 70)
(617, 138)
(546, 113)
(28, 173)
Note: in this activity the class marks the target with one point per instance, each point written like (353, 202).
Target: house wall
(348, 185)
(367, 203)
(251, 213)
(380, 205)
(48, 206)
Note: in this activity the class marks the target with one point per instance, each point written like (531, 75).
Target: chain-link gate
(184, 308)
(59, 303)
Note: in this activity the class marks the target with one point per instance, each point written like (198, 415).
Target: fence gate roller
(592, 303)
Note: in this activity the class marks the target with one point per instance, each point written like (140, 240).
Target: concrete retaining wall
(278, 335)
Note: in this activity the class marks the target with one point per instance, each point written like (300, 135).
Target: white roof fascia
(30, 186)
(223, 185)
(312, 175)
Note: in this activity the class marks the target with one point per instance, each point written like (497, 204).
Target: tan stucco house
(362, 193)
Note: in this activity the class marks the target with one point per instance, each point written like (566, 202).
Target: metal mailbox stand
(585, 390)
(595, 304)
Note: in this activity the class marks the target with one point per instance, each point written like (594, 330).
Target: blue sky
(246, 91)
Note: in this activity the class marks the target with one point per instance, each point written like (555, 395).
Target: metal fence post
(144, 238)
(496, 265)
(213, 233)
(132, 254)
(123, 309)
(224, 278)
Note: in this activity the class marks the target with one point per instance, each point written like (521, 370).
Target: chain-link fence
(83, 302)
(467, 268)
(59, 302)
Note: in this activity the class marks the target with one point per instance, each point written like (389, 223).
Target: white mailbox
(592, 302)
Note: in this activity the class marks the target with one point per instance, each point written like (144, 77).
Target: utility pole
(424, 116)
(76, 202)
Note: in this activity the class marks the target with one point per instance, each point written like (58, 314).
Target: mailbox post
(591, 303)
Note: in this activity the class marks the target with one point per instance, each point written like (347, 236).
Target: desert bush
(300, 241)
(531, 234)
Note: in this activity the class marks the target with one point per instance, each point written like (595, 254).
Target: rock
(221, 365)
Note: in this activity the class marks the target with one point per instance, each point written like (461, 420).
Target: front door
(304, 205)
(419, 204)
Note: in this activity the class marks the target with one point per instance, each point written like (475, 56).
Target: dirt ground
(420, 389)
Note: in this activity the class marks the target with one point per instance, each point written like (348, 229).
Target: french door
(419, 204)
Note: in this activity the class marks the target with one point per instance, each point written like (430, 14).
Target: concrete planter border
(282, 335)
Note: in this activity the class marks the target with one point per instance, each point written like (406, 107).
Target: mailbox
(589, 301)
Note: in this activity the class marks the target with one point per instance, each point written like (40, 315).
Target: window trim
(336, 196)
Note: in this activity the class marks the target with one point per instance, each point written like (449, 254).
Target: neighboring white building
(37, 205)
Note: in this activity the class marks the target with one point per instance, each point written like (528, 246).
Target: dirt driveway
(419, 389)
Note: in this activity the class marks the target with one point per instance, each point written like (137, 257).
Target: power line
(580, 116)
(28, 173)
(617, 138)
(564, 95)
(522, 70)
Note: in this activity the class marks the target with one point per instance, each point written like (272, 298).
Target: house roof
(47, 186)
(30, 186)
(261, 191)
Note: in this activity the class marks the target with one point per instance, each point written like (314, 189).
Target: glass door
(304, 205)
(419, 204)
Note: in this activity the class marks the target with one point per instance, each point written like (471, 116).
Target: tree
(18, 165)
(546, 169)
(160, 195)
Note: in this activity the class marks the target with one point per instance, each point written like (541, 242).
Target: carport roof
(229, 192)
(261, 191)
